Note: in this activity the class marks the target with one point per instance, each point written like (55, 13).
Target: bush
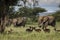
(57, 15)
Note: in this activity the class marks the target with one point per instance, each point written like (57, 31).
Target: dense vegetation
(57, 15)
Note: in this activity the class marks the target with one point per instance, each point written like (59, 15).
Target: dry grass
(19, 33)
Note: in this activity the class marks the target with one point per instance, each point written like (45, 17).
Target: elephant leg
(23, 25)
(54, 25)
(55, 28)
(45, 25)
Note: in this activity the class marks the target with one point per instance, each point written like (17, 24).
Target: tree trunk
(3, 11)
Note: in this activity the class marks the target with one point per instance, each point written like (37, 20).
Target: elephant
(44, 21)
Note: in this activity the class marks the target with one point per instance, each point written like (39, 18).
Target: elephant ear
(20, 20)
(40, 19)
(45, 19)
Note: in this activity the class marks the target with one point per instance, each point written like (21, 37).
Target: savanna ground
(19, 33)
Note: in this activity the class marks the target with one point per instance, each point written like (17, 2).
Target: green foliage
(29, 12)
(57, 15)
(11, 2)
(4, 6)
(26, 11)
(38, 9)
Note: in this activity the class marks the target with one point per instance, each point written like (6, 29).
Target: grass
(19, 33)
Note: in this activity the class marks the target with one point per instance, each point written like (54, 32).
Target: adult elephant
(20, 21)
(44, 21)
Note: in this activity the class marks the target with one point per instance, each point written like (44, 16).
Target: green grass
(19, 33)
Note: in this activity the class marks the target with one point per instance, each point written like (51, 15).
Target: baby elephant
(47, 30)
(29, 29)
(37, 29)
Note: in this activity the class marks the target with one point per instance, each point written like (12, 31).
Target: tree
(35, 3)
(57, 15)
(11, 12)
(37, 10)
(24, 1)
(26, 11)
(30, 12)
(4, 7)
